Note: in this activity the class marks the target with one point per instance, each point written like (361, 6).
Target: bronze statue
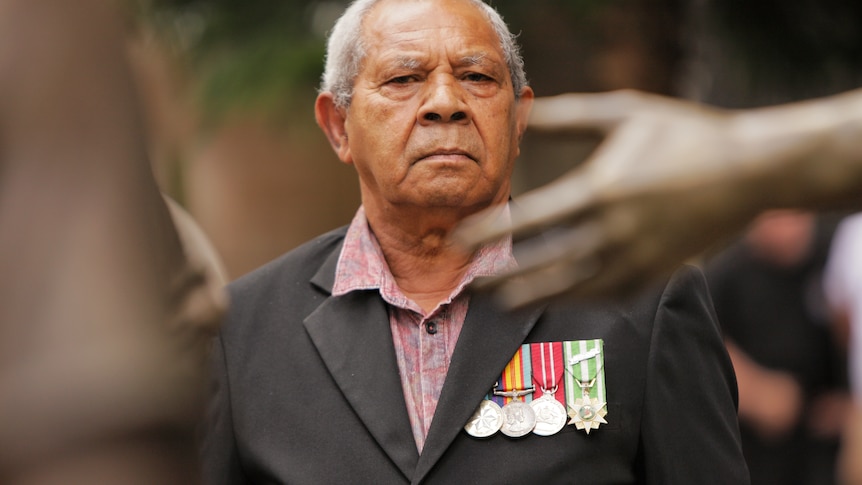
(103, 315)
(670, 178)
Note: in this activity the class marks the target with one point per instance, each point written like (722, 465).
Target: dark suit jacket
(308, 391)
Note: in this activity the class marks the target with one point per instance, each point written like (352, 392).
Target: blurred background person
(793, 399)
(843, 288)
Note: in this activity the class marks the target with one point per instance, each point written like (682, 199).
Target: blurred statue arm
(670, 178)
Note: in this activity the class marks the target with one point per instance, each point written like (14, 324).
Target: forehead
(394, 27)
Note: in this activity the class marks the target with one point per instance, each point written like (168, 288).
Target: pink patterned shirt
(423, 342)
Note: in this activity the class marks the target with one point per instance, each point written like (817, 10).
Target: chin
(462, 196)
(459, 203)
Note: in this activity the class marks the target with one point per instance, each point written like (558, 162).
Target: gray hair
(345, 50)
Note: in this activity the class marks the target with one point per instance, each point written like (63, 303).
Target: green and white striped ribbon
(584, 360)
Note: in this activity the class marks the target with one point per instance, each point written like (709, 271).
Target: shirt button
(431, 327)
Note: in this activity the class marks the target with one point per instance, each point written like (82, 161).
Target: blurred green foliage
(253, 55)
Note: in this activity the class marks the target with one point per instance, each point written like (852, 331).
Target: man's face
(433, 121)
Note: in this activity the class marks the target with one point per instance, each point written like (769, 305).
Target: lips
(445, 154)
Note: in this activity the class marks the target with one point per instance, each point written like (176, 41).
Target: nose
(443, 102)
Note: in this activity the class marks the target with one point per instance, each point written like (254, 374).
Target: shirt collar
(361, 265)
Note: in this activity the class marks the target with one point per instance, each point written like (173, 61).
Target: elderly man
(359, 357)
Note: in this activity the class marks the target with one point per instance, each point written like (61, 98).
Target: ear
(332, 120)
(522, 113)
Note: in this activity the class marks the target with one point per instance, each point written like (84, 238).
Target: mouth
(446, 155)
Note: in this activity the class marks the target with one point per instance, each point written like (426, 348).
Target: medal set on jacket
(546, 386)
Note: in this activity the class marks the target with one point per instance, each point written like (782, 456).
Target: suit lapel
(351, 333)
(488, 340)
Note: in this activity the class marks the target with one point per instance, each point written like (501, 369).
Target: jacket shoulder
(287, 279)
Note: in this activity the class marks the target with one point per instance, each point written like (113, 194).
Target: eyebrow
(474, 59)
(408, 62)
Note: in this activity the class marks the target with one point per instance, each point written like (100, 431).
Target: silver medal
(550, 415)
(518, 419)
(486, 420)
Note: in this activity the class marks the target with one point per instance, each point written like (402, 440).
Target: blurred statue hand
(669, 179)
(642, 204)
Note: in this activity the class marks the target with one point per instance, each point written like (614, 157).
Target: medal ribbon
(548, 369)
(516, 376)
(584, 362)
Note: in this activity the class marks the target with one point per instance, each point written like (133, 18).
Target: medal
(547, 359)
(518, 417)
(584, 372)
(550, 415)
(486, 420)
(587, 413)
(516, 383)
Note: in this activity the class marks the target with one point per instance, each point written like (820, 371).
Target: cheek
(503, 141)
(365, 135)
(386, 129)
(375, 152)
(502, 114)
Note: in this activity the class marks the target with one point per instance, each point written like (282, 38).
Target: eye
(402, 79)
(477, 77)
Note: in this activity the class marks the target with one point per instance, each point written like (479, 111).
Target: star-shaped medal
(588, 414)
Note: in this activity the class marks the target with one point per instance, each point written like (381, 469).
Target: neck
(423, 260)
